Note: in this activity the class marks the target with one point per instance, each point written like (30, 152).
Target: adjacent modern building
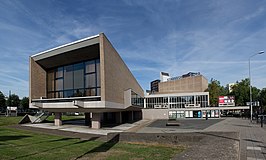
(184, 97)
(155, 86)
(191, 82)
(88, 76)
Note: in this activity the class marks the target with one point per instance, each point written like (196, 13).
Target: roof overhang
(81, 50)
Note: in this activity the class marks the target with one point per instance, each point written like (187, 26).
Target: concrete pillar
(87, 118)
(96, 120)
(132, 116)
(145, 103)
(118, 117)
(58, 119)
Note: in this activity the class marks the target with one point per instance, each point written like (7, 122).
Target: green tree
(263, 96)
(215, 90)
(241, 92)
(2, 101)
(13, 100)
(24, 103)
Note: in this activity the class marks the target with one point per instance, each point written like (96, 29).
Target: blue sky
(213, 37)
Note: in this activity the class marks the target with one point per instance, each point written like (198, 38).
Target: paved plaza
(252, 137)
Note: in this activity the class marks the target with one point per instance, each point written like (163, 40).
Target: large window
(75, 80)
(177, 101)
(136, 100)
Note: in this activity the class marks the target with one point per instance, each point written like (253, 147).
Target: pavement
(81, 128)
(252, 137)
(186, 125)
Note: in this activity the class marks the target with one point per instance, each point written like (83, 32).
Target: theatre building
(87, 76)
(179, 97)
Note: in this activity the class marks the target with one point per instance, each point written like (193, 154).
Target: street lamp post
(250, 87)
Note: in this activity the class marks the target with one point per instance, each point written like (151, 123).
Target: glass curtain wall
(75, 80)
(136, 100)
(178, 101)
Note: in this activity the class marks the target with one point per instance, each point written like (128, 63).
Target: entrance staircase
(37, 118)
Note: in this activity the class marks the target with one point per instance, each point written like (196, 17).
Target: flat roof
(176, 94)
(67, 47)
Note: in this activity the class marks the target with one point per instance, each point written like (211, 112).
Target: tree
(2, 101)
(13, 100)
(25, 103)
(215, 90)
(263, 96)
(241, 92)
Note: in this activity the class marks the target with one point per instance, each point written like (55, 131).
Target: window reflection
(75, 80)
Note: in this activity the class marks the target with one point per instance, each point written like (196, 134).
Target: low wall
(199, 145)
(161, 138)
(155, 113)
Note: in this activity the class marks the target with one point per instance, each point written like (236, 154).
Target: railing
(91, 98)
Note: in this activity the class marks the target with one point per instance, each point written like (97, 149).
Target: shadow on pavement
(240, 125)
(251, 140)
(221, 136)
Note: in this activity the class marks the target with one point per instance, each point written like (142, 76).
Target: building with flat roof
(184, 84)
(88, 76)
(155, 86)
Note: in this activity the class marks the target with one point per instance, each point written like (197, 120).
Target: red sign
(226, 101)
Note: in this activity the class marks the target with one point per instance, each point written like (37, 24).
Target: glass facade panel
(90, 92)
(98, 91)
(58, 94)
(136, 100)
(59, 84)
(68, 93)
(90, 66)
(75, 80)
(50, 81)
(78, 75)
(68, 77)
(90, 80)
(79, 93)
(177, 101)
(98, 73)
(59, 72)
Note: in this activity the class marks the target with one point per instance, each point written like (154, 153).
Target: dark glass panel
(90, 92)
(59, 72)
(78, 75)
(68, 93)
(59, 84)
(98, 73)
(79, 93)
(50, 81)
(68, 77)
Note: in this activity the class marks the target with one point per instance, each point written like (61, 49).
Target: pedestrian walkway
(252, 137)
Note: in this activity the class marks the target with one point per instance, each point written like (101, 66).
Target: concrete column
(145, 103)
(87, 118)
(118, 117)
(132, 116)
(58, 119)
(96, 120)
